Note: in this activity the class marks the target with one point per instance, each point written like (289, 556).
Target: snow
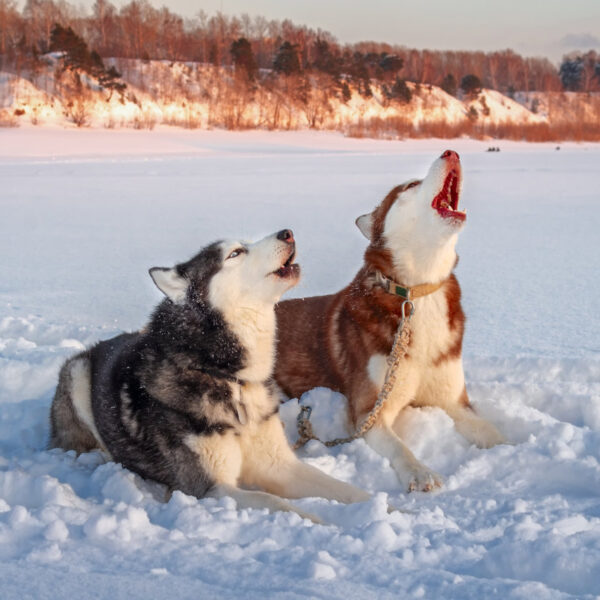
(503, 109)
(196, 95)
(86, 213)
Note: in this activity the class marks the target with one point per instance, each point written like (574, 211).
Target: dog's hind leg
(471, 426)
(270, 463)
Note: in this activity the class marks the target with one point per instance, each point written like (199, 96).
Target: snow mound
(492, 106)
(506, 518)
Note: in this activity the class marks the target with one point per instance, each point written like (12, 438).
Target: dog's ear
(170, 283)
(365, 224)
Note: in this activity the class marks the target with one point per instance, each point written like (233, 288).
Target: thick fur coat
(341, 341)
(188, 401)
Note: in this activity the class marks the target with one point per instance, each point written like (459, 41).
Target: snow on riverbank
(201, 96)
(84, 214)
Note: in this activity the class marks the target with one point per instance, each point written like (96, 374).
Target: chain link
(399, 350)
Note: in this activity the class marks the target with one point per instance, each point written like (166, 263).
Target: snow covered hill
(192, 95)
(85, 213)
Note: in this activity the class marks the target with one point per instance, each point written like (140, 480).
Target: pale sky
(531, 27)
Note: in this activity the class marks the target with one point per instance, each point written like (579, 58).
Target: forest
(297, 74)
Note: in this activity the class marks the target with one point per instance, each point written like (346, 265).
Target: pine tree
(243, 58)
(77, 57)
(109, 79)
(471, 85)
(390, 64)
(287, 61)
(325, 61)
(76, 53)
(449, 84)
(571, 73)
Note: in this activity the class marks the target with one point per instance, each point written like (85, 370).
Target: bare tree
(102, 28)
(41, 15)
(11, 30)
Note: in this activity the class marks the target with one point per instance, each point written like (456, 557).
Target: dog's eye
(236, 252)
(413, 184)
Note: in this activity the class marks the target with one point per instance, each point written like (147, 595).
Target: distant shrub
(146, 120)
(400, 91)
(346, 93)
(8, 119)
(472, 114)
(485, 109)
(401, 127)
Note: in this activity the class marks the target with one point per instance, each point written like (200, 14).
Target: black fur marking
(153, 391)
(218, 374)
(199, 331)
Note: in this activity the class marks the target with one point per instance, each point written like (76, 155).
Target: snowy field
(84, 214)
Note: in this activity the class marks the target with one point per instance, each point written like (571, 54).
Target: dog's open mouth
(446, 202)
(289, 268)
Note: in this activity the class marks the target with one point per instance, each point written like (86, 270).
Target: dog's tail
(71, 419)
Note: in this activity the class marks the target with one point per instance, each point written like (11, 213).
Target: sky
(531, 27)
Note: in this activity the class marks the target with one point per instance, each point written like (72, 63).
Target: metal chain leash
(399, 350)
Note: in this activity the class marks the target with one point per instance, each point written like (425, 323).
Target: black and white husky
(188, 401)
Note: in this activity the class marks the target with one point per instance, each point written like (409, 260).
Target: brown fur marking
(456, 321)
(362, 311)
(314, 350)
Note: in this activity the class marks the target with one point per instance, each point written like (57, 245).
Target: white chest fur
(421, 375)
(256, 331)
(430, 331)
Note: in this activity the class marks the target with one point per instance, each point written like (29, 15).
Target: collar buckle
(391, 287)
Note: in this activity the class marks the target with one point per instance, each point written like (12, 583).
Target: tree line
(139, 30)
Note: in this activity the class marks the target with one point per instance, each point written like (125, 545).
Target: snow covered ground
(84, 214)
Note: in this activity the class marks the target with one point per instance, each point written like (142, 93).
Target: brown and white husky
(341, 341)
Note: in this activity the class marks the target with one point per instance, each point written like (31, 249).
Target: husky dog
(188, 401)
(341, 341)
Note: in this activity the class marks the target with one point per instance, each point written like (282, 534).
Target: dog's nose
(286, 235)
(451, 154)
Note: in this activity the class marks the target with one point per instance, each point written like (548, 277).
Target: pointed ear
(170, 283)
(365, 224)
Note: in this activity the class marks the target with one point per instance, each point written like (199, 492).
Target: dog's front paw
(424, 480)
(488, 436)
